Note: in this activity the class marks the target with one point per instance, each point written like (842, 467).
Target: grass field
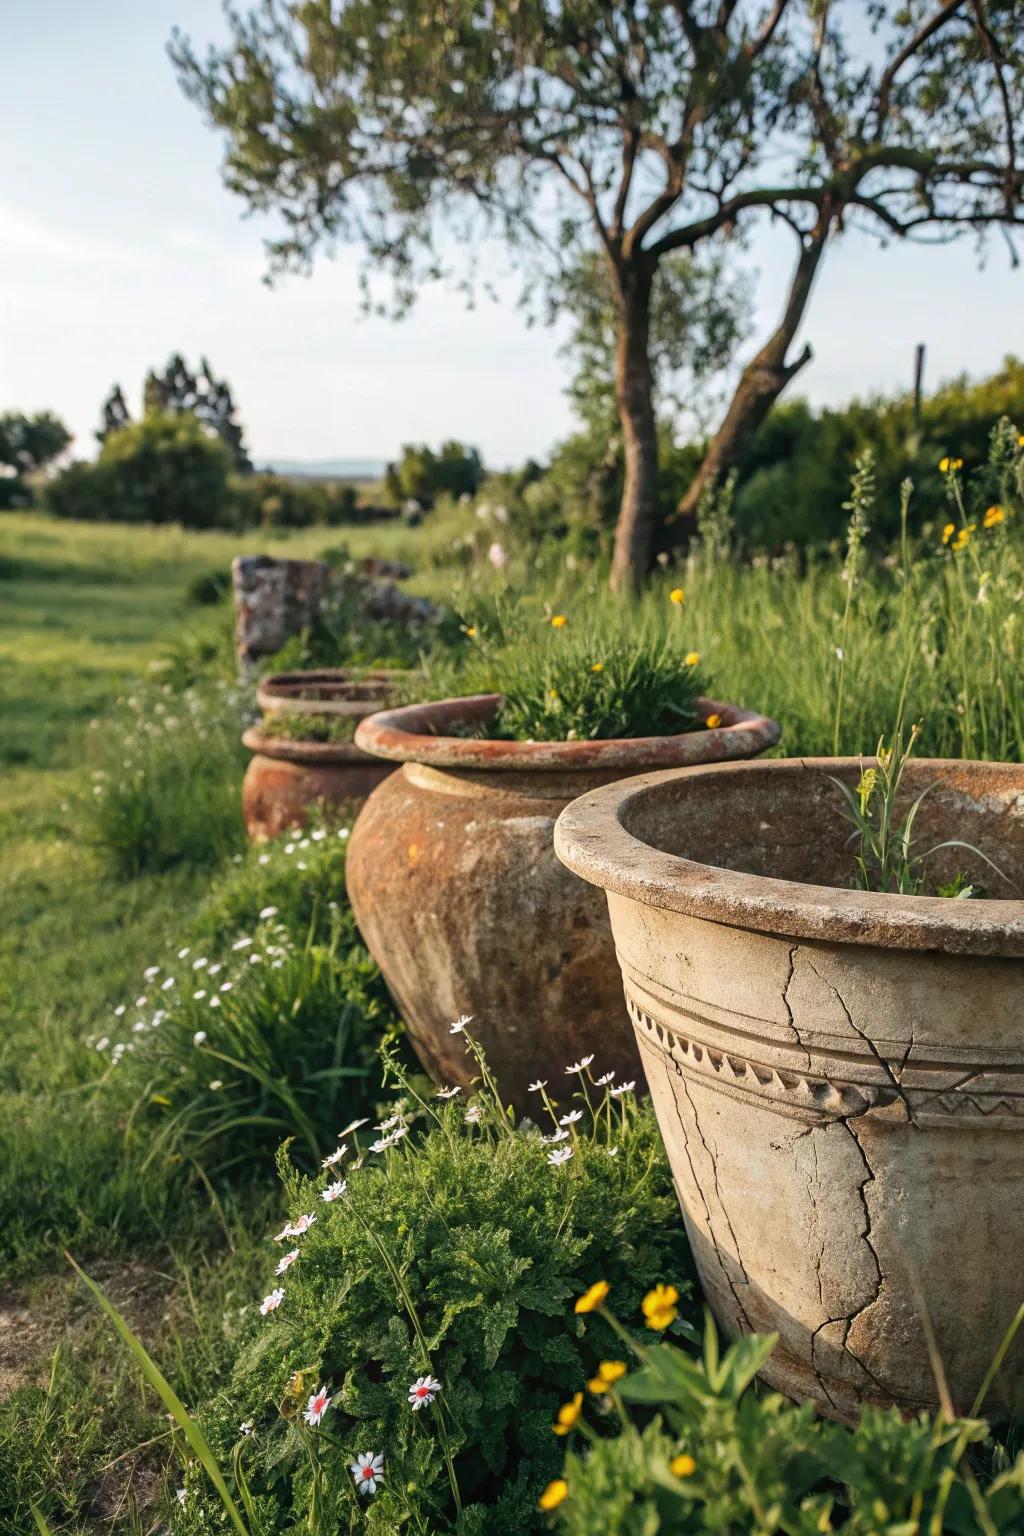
(85, 612)
(93, 616)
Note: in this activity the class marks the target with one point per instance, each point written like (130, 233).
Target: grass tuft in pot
(576, 676)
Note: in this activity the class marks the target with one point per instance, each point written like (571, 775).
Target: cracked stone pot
(838, 1076)
(456, 889)
(286, 778)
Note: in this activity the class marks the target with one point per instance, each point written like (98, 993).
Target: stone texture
(460, 898)
(839, 1076)
(274, 599)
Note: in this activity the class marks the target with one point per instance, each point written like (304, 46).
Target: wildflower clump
(436, 1296)
(586, 676)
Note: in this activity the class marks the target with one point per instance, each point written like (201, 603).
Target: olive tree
(633, 128)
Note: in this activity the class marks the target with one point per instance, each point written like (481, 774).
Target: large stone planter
(839, 1076)
(458, 894)
(287, 778)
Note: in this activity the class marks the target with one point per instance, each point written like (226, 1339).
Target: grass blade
(44, 1529)
(194, 1435)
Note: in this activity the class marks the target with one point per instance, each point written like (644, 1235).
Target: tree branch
(926, 30)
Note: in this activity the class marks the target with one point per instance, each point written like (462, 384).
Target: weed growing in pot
(719, 1456)
(324, 728)
(887, 856)
(406, 1364)
(166, 788)
(574, 676)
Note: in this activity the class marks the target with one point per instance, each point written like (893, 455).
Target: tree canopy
(176, 390)
(633, 128)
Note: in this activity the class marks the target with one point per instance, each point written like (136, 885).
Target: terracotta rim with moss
(418, 733)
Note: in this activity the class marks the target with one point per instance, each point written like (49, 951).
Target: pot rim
(347, 690)
(320, 754)
(408, 734)
(592, 840)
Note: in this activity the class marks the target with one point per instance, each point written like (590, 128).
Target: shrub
(719, 1456)
(456, 1254)
(275, 501)
(165, 468)
(455, 470)
(271, 1031)
(167, 789)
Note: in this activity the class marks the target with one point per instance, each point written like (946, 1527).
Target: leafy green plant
(324, 728)
(574, 676)
(887, 858)
(167, 788)
(719, 1456)
(226, 1058)
(449, 1252)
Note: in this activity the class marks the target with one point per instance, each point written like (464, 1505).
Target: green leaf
(170, 1399)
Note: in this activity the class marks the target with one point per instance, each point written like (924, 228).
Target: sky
(119, 245)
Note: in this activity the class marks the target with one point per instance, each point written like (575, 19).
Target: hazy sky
(118, 245)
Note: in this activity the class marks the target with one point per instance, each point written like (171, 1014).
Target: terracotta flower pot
(838, 1076)
(287, 778)
(455, 885)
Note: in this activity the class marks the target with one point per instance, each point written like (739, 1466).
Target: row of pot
(838, 1076)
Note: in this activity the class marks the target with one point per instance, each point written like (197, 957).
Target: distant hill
(325, 469)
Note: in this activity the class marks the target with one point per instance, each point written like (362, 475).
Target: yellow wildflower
(160, 1098)
(659, 1306)
(608, 1373)
(691, 658)
(612, 1370)
(948, 532)
(993, 515)
(594, 1297)
(598, 666)
(949, 466)
(712, 721)
(568, 1415)
(553, 1494)
(558, 621)
(683, 1466)
(1020, 439)
(471, 631)
(963, 538)
(677, 596)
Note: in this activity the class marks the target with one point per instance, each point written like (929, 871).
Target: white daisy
(334, 1191)
(571, 1117)
(197, 965)
(183, 954)
(303, 1224)
(579, 1066)
(388, 1125)
(367, 1471)
(151, 971)
(120, 1011)
(200, 994)
(273, 1301)
(536, 1087)
(181, 1494)
(268, 912)
(603, 1081)
(623, 1088)
(287, 1260)
(334, 1157)
(199, 1037)
(423, 1391)
(317, 1406)
(241, 944)
(460, 1024)
(556, 1136)
(102, 1042)
(473, 1115)
(165, 986)
(353, 1125)
(447, 1093)
(562, 1155)
(612, 1151)
(245, 1428)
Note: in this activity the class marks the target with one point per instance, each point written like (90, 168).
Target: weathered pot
(286, 779)
(838, 1076)
(456, 888)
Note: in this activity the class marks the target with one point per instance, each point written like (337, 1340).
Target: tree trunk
(634, 396)
(761, 382)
